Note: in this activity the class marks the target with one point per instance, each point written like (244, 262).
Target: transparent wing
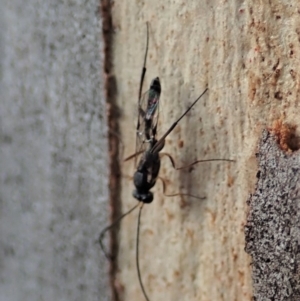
(148, 112)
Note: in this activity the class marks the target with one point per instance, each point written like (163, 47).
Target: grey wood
(53, 151)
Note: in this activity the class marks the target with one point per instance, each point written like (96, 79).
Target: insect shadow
(149, 148)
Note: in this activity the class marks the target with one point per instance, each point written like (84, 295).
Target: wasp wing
(147, 116)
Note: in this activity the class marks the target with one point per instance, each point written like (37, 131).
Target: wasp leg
(193, 163)
(177, 194)
(133, 156)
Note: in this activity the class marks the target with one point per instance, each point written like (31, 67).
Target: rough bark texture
(273, 224)
(246, 53)
(53, 151)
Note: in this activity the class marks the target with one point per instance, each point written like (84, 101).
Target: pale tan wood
(246, 53)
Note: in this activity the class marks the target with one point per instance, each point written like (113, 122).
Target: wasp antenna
(137, 254)
(102, 233)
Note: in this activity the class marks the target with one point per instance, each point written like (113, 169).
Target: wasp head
(143, 197)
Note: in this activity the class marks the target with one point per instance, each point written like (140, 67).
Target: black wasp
(149, 147)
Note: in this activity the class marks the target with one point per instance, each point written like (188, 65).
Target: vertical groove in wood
(114, 143)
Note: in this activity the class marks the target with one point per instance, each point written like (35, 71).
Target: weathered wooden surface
(246, 53)
(273, 224)
(53, 152)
